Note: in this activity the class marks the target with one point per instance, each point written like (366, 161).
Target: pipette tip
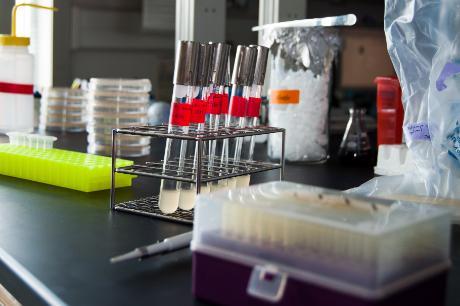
(124, 257)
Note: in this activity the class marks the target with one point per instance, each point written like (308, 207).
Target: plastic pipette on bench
(168, 245)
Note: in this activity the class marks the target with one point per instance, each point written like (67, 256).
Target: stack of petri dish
(63, 109)
(117, 103)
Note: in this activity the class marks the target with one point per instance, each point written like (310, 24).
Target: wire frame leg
(114, 159)
(199, 166)
(283, 139)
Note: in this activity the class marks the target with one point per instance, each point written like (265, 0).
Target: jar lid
(9, 40)
(120, 85)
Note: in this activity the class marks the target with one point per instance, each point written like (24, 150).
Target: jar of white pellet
(299, 92)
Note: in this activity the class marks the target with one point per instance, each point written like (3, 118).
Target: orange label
(284, 96)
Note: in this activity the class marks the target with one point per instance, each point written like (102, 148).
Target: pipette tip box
(68, 169)
(282, 243)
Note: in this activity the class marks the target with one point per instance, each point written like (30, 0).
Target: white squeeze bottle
(16, 79)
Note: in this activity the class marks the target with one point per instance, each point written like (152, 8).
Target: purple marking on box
(417, 131)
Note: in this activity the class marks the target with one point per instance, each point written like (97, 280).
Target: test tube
(253, 107)
(197, 124)
(185, 89)
(217, 101)
(242, 79)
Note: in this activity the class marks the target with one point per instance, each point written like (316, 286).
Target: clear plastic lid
(64, 93)
(74, 107)
(122, 109)
(63, 117)
(64, 102)
(106, 129)
(34, 141)
(126, 151)
(116, 121)
(62, 126)
(72, 112)
(362, 246)
(122, 85)
(108, 99)
(124, 140)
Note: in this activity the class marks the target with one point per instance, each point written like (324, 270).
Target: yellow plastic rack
(74, 170)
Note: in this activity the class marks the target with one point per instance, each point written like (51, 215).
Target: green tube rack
(68, 169)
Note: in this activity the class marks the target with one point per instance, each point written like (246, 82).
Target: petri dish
(124, 151)
(125, 85)
(125, 140)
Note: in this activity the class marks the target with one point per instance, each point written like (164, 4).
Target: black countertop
(65, 238)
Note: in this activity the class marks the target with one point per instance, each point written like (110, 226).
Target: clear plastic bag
(424, 45)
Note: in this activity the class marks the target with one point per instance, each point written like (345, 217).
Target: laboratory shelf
(211, 170)
(199, 170)
(149, 207)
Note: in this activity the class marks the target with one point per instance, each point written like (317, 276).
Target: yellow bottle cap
(8, 40)
(13, 40)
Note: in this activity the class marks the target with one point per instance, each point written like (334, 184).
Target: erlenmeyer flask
(355, 147)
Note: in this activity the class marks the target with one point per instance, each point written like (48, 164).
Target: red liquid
(390, 112)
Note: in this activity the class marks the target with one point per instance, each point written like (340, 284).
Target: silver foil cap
(205, 64)
(186, 67)
(261, 64)
(220, 63)
(243, 68)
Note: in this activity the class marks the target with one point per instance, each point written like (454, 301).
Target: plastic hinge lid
(267, 283)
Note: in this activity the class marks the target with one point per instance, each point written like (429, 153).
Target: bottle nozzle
(15, 8)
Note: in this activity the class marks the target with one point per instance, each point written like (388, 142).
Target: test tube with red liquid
(199, 102)
(185, 90)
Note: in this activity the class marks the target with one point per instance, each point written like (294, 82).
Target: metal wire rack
(149, 207)
(211, 171)
(206, 134)
(202, 170)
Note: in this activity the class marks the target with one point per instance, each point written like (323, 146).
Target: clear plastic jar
(299, 91)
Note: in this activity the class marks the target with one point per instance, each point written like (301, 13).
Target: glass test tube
(242, 78)
(179, 120)
(217, 104)
(255, 99)
(197, 124)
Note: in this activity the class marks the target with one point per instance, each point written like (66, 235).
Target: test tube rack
(193, 172)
